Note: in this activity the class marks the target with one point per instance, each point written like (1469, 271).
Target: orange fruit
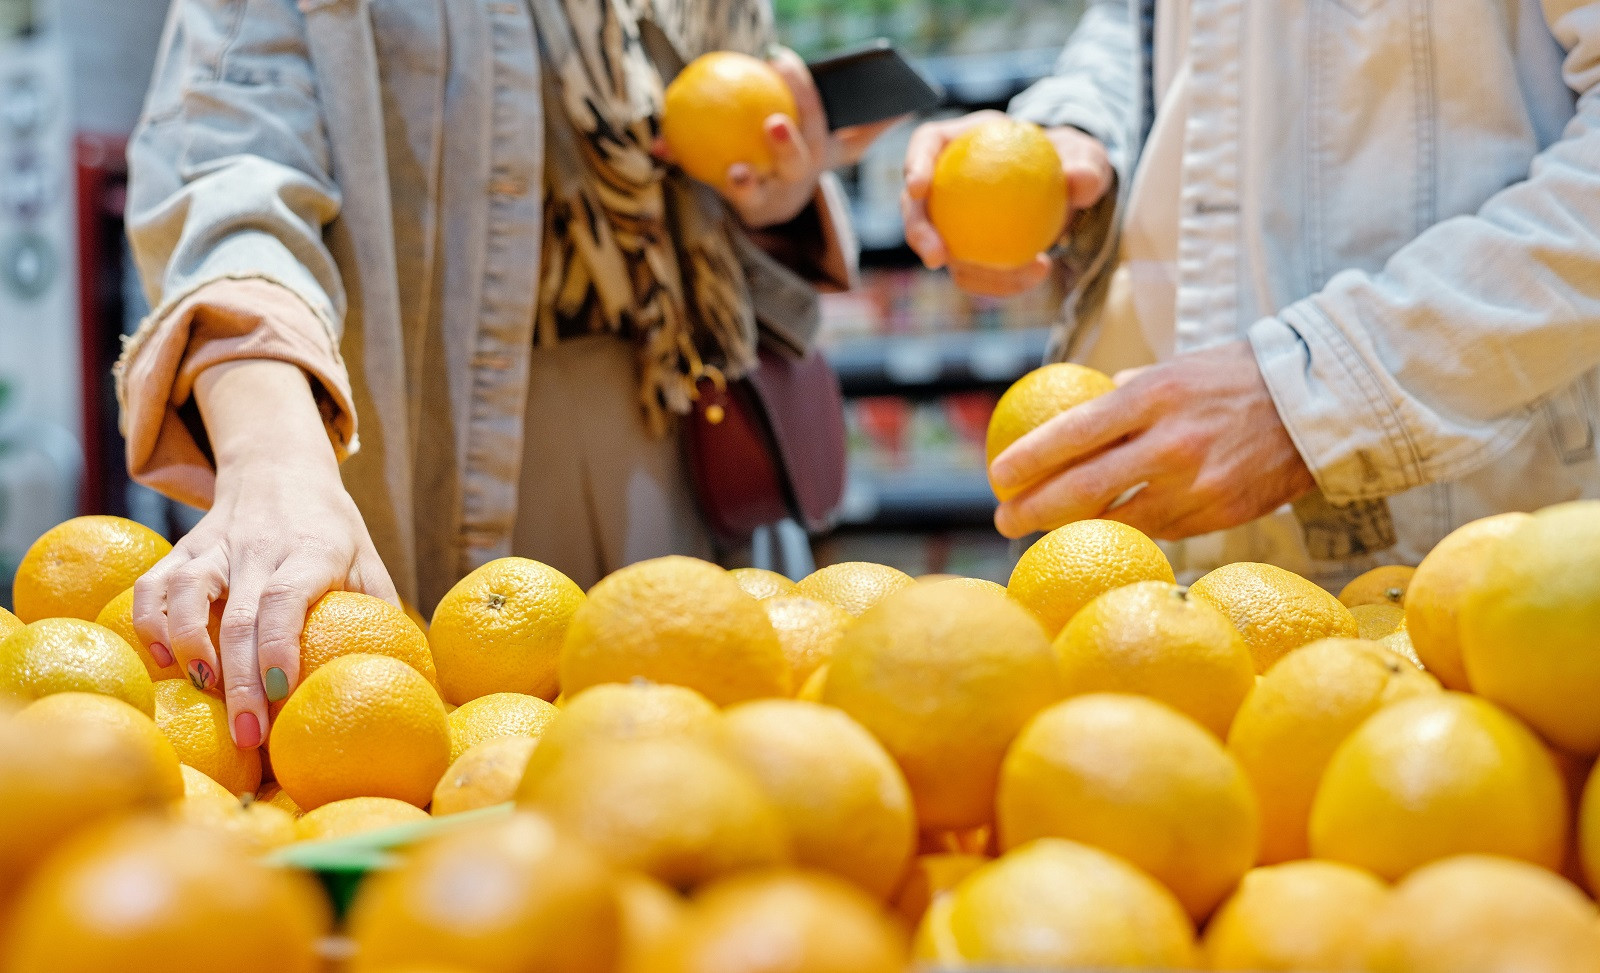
(198, 784)
(1072, 565)
(618, 712)
(1589, 829)
(1376, 622)
(276, 796)
(507, 895)
(259, 827)
(980, 583)
(944, 678)
(931, 875)
(67, 655)
(1529, 622)
(79, 565)
(147, 895)
(1139, 779)
(674, 809)
(355, 815)
(1056, 904)
(998, 196)
(346, 622)
(675, 620)
(651, 914)
(714, 115)
(197, 725)
(486, 774)
(500, 630)
(1305, 915)
(1275, 610)
(1482, 914)
(853, 586)
(1385, 585)
(812, 689)
(808, 631)
(498, 715)
(1438, 775)
(1036, 398)
(1434, 597)
(72, 759)
(762, 584)
(783, 921)
(1399, 642)
(1152, 639)
(361, 726)
(118, 616)
(845, 803)
(8, 623)
(1296, 717)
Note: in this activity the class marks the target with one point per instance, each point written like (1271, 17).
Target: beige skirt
(598, 491)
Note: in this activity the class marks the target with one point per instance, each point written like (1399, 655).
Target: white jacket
(1398, 203)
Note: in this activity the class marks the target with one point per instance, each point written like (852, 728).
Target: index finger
(1068, 437)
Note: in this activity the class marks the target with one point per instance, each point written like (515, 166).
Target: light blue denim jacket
(1398, 203)
(383, 160)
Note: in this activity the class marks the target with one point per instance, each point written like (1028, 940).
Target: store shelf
(936, 364)
(917, 499)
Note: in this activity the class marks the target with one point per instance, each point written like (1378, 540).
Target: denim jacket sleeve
(1094, 86)
(229, 167)
(1436, 365)
(229, 190)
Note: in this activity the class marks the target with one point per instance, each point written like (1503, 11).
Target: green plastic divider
(341, 864)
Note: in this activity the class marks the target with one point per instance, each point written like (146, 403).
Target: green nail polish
(277, 684)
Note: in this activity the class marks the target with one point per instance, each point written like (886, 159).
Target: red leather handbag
(769, 446)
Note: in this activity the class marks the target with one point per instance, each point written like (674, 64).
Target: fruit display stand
(341, 864)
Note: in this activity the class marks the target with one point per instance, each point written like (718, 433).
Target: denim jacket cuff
(222, 320)
(1333, 410)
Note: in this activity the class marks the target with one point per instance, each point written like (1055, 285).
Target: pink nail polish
(246, 731)
(161, 654)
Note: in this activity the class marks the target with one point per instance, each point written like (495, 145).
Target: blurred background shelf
(938, 363)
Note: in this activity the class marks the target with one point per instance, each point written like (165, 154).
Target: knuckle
(238, 624)
(282, 592)
(242, 691)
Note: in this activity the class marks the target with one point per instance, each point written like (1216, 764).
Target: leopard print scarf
(630, 245)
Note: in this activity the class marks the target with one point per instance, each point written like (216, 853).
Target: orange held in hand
(999, 197)
(716, 112)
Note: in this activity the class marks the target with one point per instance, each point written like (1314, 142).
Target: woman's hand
(1199, 436)
(1084, 165)
(281, 532)
(802, 150)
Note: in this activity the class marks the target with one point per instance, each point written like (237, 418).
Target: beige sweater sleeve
(225, 320)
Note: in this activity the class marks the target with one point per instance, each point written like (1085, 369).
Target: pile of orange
(699, 770)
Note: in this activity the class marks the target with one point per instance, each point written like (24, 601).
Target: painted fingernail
(246, 731)
(276, 684)
(201, 675)
(161, 654)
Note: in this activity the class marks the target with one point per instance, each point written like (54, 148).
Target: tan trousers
(598, 492)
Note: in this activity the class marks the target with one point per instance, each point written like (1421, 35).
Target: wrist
(261, 416)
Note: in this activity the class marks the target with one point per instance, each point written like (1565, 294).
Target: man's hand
(1084, 165)
(802, 150)
(1199, 432)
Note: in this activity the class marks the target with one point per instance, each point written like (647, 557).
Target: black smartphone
(871, 84)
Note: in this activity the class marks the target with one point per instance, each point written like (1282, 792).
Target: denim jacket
(1398, 203)
(370, 171)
